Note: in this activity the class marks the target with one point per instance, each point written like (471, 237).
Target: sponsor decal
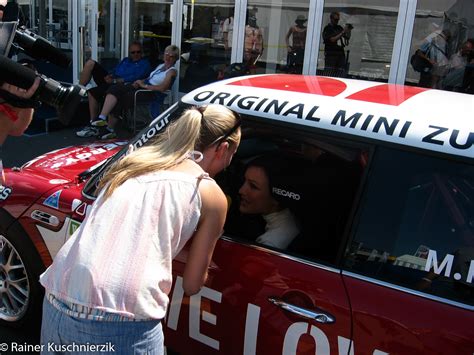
(362, 120)
(5, 192)
(465, 274)
(54, 240)
(53, 200)
(78, 154)
(81, 210)
(73, 226)
(75, 203)
(152, 131)
(284, 193)
(199, 312)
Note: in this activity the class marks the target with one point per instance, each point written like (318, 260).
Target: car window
(317, 183)
(416, 226)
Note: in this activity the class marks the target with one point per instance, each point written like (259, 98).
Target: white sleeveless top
(119, 260)
(158, 75)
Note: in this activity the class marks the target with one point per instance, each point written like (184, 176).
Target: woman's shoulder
(212, 196)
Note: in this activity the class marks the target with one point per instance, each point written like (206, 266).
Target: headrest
(283, 176)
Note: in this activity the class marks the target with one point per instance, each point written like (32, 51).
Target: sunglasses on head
(223, 138)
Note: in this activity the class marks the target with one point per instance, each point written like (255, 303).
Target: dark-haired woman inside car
(262, 194)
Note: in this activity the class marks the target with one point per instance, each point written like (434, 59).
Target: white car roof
(423, 118)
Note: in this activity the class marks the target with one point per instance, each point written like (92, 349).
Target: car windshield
(142, 138)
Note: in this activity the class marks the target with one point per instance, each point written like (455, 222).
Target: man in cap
(296, 50)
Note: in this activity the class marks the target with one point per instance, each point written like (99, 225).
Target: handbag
(419, 63)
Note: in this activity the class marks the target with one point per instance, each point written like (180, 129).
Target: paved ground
(18, 150)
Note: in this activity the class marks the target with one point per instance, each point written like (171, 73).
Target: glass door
(96, 33)
(151, 24)
(206, 42)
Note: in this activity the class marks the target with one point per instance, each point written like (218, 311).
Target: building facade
(272, 36)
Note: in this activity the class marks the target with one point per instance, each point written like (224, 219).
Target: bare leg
(93, 107)
(109, 104)
(86, 73)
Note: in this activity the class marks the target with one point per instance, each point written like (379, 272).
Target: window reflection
(282, 32)
(151, 25)
(423, 237)
(206, 43)
(442, 55)
(360, 43)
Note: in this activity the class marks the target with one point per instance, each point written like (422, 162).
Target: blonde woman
(110, 281)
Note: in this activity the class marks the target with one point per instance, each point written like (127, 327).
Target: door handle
(319, 317)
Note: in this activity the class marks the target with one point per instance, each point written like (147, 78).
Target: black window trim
(357, 215)
(406, 290)
(336, 139)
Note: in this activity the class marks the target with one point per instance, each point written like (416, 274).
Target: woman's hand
(137, 84)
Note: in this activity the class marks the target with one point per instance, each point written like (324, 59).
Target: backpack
(419, 63)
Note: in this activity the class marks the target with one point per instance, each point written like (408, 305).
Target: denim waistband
(84, 312)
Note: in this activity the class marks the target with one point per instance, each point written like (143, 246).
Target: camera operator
(14, 120)
(335, 38)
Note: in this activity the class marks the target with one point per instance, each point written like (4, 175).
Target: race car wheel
(20, 292)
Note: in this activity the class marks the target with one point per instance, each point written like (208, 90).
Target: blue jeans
(63, 334)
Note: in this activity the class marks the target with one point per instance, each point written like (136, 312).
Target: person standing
(110, 281)
(14, 118)
(296, 50)
(253, 43)
(335, 38)
(435, 49)
(228, 32)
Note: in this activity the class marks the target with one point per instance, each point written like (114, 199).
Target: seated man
(120, 96)
(127, 71)
(261, 194)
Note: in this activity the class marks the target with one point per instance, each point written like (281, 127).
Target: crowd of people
(114, 92)
(440, 69)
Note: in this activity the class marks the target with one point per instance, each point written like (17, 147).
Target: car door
(259, 301)
(409, 269)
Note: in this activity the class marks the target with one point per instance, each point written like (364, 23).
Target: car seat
(328, 187)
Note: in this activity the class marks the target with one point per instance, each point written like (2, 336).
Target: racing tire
(21, 294)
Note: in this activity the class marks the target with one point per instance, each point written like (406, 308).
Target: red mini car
(380, 179)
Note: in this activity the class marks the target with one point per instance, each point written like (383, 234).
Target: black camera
(38, 47)
(65, 98)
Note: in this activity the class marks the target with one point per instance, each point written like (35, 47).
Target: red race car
(380, 179)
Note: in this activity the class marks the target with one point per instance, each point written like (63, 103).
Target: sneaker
(88, 131)
(99, 122)
(109, 135)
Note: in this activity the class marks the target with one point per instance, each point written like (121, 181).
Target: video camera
(65, 98)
